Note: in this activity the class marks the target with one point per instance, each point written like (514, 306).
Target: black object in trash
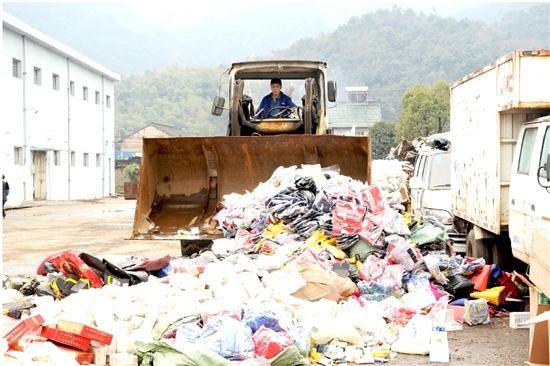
(305, 184)
(459, 286)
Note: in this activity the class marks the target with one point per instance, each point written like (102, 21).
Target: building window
(98, 160)
(84, 93)
(16, 68)
(97, 97)
(86, 159)
(57, 158)
(55, 82)
(18, 156)
(73, 158)
(71, 88)
(108, 101)
(37, 76)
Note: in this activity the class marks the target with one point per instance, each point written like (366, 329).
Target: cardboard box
(539, 334)
(540, 261)
(99, 353)
(23, 327)
(91, 333)
(83, 358)
(67, 338)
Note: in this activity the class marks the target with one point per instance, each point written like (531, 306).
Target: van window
(526, 152)
(440, 172)
(544, 152)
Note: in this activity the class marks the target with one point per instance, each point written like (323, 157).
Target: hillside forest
(391, 51)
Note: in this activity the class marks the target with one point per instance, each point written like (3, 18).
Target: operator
(276, 101)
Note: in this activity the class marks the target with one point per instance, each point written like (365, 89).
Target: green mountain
(387, 49)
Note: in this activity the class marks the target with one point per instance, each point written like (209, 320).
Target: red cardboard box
(67, 338)
(83, 358)
(23, 327)
(85, 331)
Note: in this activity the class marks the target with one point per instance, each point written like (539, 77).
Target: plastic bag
(267, 313)
(228, 337)
(213, 308)
(269, 343)
(407, 255)
(432, 263)
(374, 290)
(333, 329)
(161, 353)
(476, 312)
(286, 280)
(373, 196)
(392, 276)
(401, 315)
(372, 269)
(347, 217)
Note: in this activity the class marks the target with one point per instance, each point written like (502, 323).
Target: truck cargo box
(487, 110)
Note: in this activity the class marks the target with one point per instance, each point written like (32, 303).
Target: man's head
(276, 85)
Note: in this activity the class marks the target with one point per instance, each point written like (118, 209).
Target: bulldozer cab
(304, 81)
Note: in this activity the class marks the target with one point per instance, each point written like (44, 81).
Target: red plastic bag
(69, 263)
(376, 201)
(372, 269)
(269, 343)
(347, 218)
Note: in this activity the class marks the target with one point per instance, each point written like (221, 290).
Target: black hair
(276, 81)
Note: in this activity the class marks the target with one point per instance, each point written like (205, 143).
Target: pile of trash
(314, 267)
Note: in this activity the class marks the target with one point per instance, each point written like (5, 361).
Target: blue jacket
(284, 101)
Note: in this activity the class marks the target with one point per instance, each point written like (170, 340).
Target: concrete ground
(100, 227)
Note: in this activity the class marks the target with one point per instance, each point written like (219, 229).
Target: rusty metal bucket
(182, 179)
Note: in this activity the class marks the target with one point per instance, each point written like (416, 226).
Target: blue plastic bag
(228, 337)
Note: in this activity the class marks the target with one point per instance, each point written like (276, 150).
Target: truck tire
(477, 248)
(502, 254)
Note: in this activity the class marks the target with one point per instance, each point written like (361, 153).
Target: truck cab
(430, 193)
(529, 204)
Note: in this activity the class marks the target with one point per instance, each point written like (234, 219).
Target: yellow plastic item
(272, 230)
(494, 295)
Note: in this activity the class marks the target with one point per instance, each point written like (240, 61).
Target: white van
(430, 191)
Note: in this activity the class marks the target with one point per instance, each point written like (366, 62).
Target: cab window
(526, 152)
(419, 166)
(544, 152)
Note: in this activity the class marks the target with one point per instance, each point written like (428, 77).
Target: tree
(382, 138)
(132, 172)
(426, 110)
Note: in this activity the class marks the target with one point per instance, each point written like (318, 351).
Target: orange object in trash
(494, 295)
(481, 278)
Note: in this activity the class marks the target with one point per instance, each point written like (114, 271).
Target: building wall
(42, 122)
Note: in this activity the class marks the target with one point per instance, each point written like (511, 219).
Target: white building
(56, 119)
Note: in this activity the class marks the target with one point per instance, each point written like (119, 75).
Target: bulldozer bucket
(182, 179)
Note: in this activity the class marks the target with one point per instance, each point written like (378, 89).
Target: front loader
(183, 179)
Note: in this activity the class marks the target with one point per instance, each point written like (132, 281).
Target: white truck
(430, 191)
(500, 133)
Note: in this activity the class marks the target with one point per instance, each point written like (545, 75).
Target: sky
(174, 14)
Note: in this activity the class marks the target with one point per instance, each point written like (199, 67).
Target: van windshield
(440, 171)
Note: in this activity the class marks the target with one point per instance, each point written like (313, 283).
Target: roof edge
(11, 22)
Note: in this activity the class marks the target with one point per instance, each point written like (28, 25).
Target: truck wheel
(502, 255)
(477, 248)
